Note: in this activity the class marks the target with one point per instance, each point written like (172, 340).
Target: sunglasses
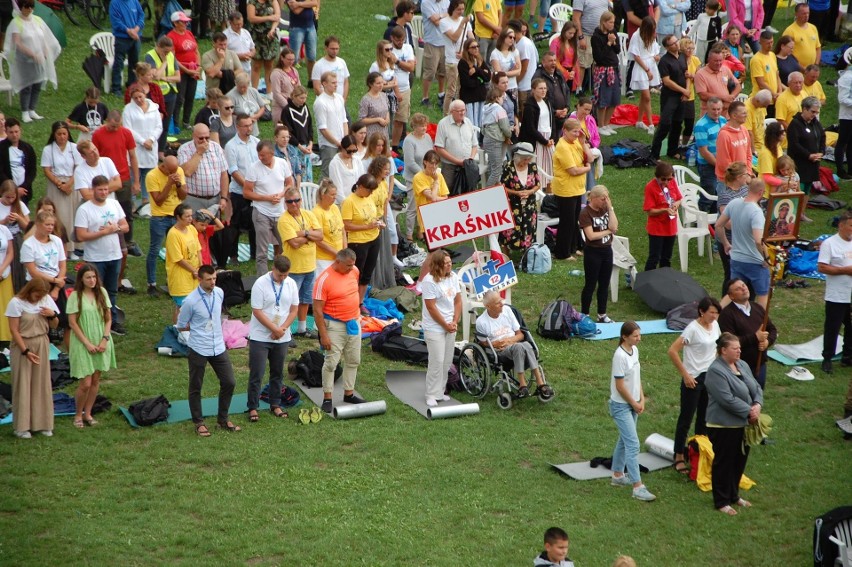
(351, 151)
(474, 47)
(228, 107)
(388, 49)
(203, 138)
(292, 201)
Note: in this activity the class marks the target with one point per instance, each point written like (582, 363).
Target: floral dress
(266, 48)
(524, 210)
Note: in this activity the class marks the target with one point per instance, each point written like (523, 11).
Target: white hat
(801, 374)
(524, 149)
(179, 16)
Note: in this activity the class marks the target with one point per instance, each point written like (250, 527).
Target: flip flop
(280, 413)
(743, 503)
(91, 422)
(681, 467)
(202, 430)
(78, 423)
(305, 416)
(728, 510)
(316, 415)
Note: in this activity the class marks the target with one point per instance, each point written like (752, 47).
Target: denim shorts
(511, 3)
(308, 38)
(544, 9)
(755, 274)
(305, 283)
(179, 299)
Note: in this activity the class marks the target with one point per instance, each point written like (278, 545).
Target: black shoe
(353, 399)
(845, 175)
(523, 392)
(153, 291)
(293, 344)
(308, 334)
(826, 366)
(327, 406)
(134, 250)
(441, 98)
(118, 329)
(846, 362)
(425, 102)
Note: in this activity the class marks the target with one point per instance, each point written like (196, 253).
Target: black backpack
(556, 320)
(289, 396)
(309, 368)
(378, 340)
(406, 349)
(231, 283)
(150, 411)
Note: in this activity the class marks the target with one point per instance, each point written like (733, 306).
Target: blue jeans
(308, 36)
(158, 227)
(707, 174)
(124, 47)
(626, 450)
(109, 272)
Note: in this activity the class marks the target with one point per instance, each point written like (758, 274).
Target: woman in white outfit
(58, 160)
(142, 117)
(441, 311)
(645, 51)
(345, 168)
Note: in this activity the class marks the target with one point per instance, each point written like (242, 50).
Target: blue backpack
(585, 327)
(536, 260)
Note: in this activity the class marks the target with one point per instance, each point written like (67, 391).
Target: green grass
(396, 489)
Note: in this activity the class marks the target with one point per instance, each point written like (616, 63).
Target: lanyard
(212, 304)
(276, 293)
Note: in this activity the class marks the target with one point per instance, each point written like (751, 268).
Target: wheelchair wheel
(474, 370)
(504, 400)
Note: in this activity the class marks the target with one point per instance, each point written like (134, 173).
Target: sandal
(229, 426)
(91, 422)
(315, 415)
(681, 467)
(253, 417)
(728, 510)
(78, 423)
(743, 503)
(278, 412)
(305, 416)
(202, 430)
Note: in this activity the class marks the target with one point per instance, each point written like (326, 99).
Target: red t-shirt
(656, 198)
(186, 48)
(204, 240)
(115, 146)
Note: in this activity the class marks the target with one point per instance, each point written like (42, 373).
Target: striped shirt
(205, 182)
(706, 131)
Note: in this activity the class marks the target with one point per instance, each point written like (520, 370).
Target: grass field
(395, 489)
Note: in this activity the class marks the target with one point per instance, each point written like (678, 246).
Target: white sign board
(465, 217)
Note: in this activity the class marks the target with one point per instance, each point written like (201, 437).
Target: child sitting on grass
(555, 552)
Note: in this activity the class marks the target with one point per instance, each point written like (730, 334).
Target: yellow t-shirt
(380, 195)
(154, 182)
(360, 210)
(182, 246)
(814, 90)
(304, 258)
(766, 164)
(788, 105)
(332, 230)
(755, 123)
(807, 42)
(692, 67)
(491, 11)
(423, 182)
(565, 156)
(766, 66)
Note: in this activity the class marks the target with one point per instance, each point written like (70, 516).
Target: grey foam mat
(409, 386)
(342, 410)
(583, 470)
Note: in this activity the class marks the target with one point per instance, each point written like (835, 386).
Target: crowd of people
(498, 94)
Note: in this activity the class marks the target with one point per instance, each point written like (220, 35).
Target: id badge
(210, 324)
(276, 320)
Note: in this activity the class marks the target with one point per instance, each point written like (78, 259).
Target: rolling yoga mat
(179, 410)
(613, 330)
(804, 353)
(409, 386)
(652, 460)
(342, 410)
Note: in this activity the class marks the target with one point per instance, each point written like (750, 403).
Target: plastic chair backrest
(417, 27)
(105, 41)
(681, 174)
(309, 195)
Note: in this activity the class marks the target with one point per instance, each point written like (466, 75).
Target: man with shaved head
(756, 117)
(203, 162)
(166, 190)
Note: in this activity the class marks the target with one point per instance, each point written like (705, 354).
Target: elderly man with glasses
(455, 141)
(673, 95)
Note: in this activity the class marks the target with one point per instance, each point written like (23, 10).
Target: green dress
(265, 48)
(83, 363)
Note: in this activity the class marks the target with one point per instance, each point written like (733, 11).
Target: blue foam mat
(179, 410)
(613, 330)
(54, 354)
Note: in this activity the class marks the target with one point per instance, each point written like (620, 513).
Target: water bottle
(627, 279)
(575, 273)
(691, 155)
(381, 17)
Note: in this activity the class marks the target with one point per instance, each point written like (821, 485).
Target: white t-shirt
(452, 48)
(84, 174)
(16, 163)
(62, 162)
(45, 255)
(507, 62)
(6, 209)
(18, 306)
(835, 251)
(503, 327)
(330, 114)
(5, 238)
(337, 66)
(269, 181)
(699, 347)
(92, 217)
(387, 74)
(444, 293)
(403, 79)
(527, 50)
(263, 298)
(626, 367)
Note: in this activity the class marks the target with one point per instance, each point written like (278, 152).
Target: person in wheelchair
(499, 328)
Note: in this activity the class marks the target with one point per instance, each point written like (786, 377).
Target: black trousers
(170, 99)
(659, 252)
(692, 400)
(837, 314)
(843, 148)
(597, 263)
(366, 258)
(671, 124)
(568, 231)
(240, 220)
(184, 100)
(729, 463)
(726, 266)
(688, 118)
(221, 365)
(769, 7)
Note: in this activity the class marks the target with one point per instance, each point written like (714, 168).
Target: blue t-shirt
(302, 20)
(706, 131)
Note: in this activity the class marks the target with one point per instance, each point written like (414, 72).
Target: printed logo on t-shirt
(48, 264)
(107, 217)
(93, 119)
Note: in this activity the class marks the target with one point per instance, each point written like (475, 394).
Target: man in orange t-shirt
(337, 312)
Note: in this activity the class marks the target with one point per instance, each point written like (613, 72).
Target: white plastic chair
(847, 56)
(559, 14)
(742, 97)
(681, 173)
(5, 84)
(621, 260)
(687, 30)
(623, 59)
(417, 34)
(470, 270)
(543, 221)
(842, 538)
(309, 195)
(105, 41)
(685, 233)
(694, 193)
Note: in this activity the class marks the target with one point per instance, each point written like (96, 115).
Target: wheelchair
(482, 370)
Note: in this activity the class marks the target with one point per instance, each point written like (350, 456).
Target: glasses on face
(202, 138)
(228, 107)
(388, 49)
(292, 201)
(474, 47)
(351, 151)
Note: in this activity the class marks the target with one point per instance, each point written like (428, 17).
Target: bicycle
(74, 9)
(98, 12)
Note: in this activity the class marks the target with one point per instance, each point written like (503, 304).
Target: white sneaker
(771, 29)
(606, 131)
(431, 402)
(641, 125)
(25, 117)
(35, 116)
(643, 494)
(23, 435)
(126, 283)
(445, 398)
(47, 433)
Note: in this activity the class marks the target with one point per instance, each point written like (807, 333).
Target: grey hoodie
(543, 561)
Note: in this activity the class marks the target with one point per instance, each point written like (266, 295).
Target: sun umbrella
(52, 22)
(664, 288)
